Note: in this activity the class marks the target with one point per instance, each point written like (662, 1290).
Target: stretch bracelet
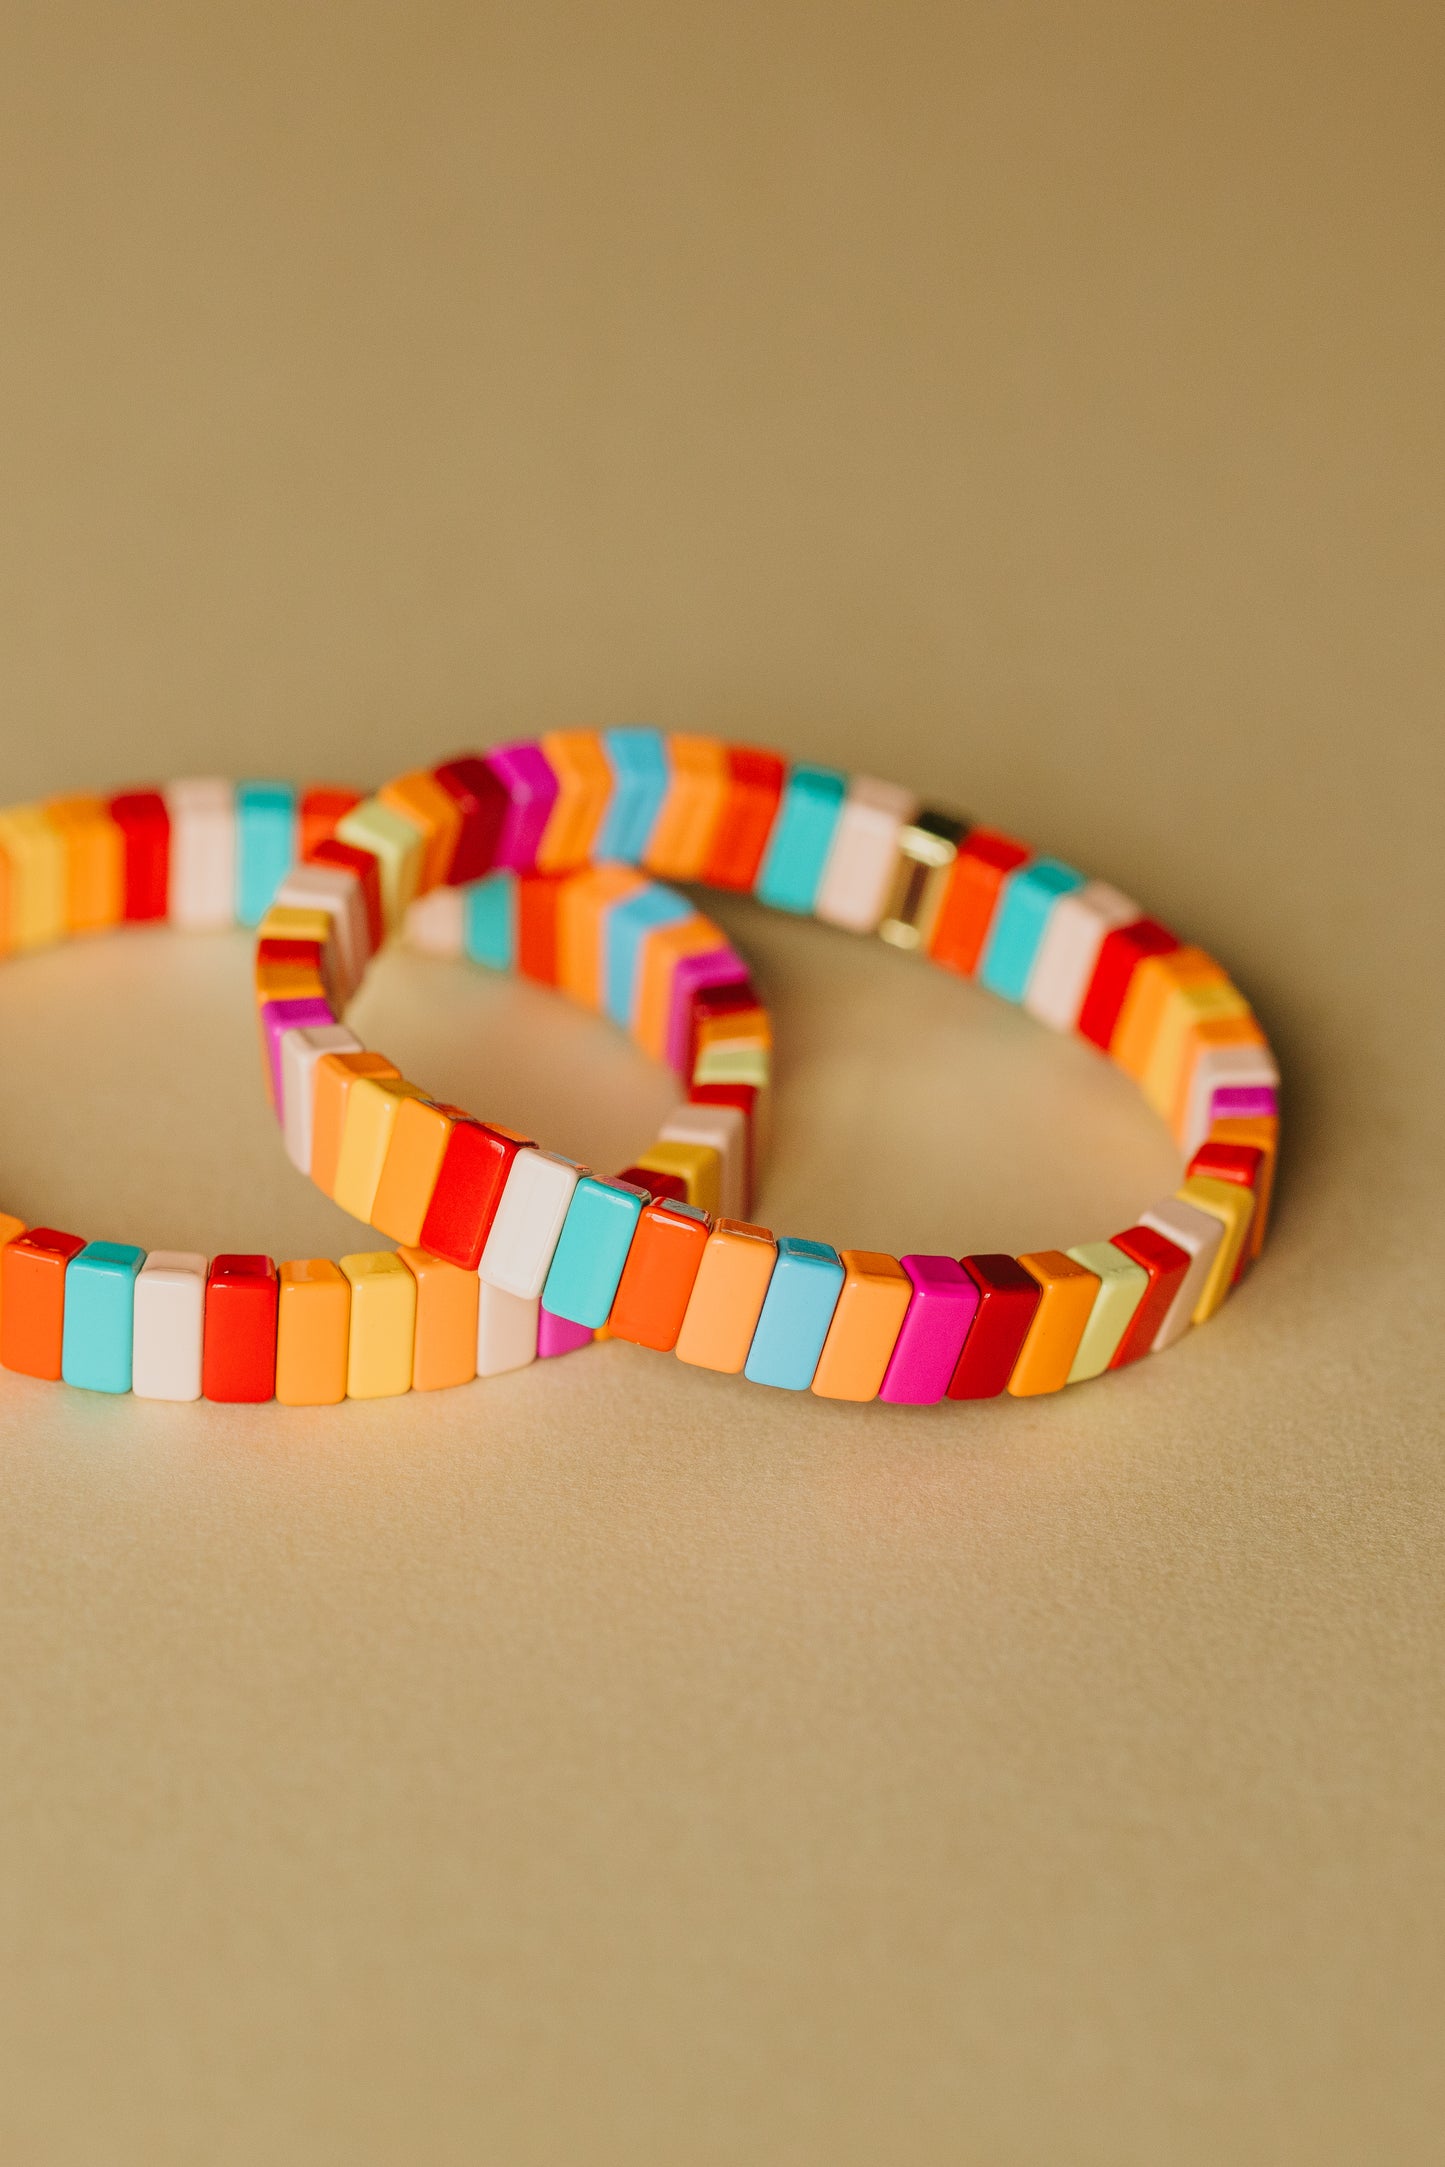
(107, 1316)
(548, 846)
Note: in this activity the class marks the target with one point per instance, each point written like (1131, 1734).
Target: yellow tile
(36, 854)
(399, 848)
(372, 1106)
(699, 1165)
(1234, 1204)
(1185, 1007)
(383, 1325)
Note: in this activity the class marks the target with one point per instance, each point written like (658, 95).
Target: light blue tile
(99, 1325)
(591, 1251)
(1019, 923)
(627, 927)
(266, 844)
(802, 837)
(802, 1295)
(489, 920)
(640, 777)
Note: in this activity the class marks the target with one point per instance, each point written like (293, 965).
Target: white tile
(1069, 950)
(506, 1331)
(434, 924)
(202, 813)
(170, 1315)
(528, 1222)
(300, 1052)
(1198, 1232)
(859, 871)
(1216, 1068)
(332, 889)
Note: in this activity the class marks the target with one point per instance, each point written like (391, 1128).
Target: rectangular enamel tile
(99, 1330)
(469, 1186)
(35, 857)
(1219, 1070)
(1027, 902)
(592, 1250)
(293, 922)
(793, 1327)
(1069, 951)
(871, 1306)
(168, 1326)
(526, 777)
(32, 1300)
(729, 1063)
(928, 847)
(362, 867)
(1009, 1298)
(863, 855)
(398, 846)
(682, 834)
(94, 863)
(1176, 1042)
(640, 781)
(559, 1335)
(753, 793)
(320, 807)
(313, 1332)
(202, 812)
(528, 1222)
(435, 813)
(1248, 1165)
(1154, 981)
(707, 971)
(581, 916)
(238, 1354)
(1200, 1235)
(797, 854)
(658, 1277)
(1165, 1265)
(966, 910)
(372, 1107)
(268, 836)
(539, 903)
(300, 1051)
(415, 1151)
(480, 796)
(145, 842)
(11, 1230)
(627, 930)
(279, 1021)
(931, 1336)
(506, 1331)
(578, 759)
(1120, 954)
(724, 1130)
(382, 1331)
(1234, 1208)
(340, 895)
(448, 1302)
(727, 1297)
(662, 954)
(332, 1080)
(1262, 1133)
(1123, 1285)
(697, 1166)
(436, 923)
(489, 924)
(1066, 1290)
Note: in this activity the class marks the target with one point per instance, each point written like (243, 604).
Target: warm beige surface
(621, 1765)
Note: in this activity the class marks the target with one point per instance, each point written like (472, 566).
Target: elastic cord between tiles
(106, 1316)
(550, 850)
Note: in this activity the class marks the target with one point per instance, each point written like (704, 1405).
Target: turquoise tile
(627, 926)
(489, 920)
(1020, 922)
(266, 844)
(640, 777)
(591, 1251)
(802, 1295)
(100, 1316)
(802, 837)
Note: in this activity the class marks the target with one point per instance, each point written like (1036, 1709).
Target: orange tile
(581, 911)
(94, 863)
(11, 1229)
(866, 1323)
(657, 1279)
(584, 791)
(420, 798)
(1047, 1354)
(447, 1306)
(727, 1296)
(1233, 1030)
(313, 1327)
(419, 1138)
(32, 1300)
(1261, 1131)
(984, 862)
(694, 805)
(331, 1084)
(1133, 1037)
(662, 951)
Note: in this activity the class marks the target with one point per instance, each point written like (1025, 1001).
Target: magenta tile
(935, 1326)
(526, 775)
(1239, 1100)
(279, 1017)
(558, 1335)
(717, 967)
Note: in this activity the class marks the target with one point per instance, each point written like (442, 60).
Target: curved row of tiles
(551, 845)
(105, 1316)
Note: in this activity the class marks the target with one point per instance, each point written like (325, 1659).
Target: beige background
(614, 1764)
